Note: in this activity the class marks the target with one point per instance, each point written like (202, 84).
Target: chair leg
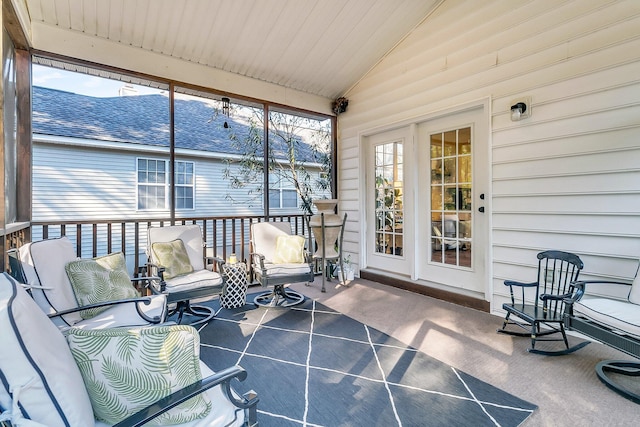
(535, 327)
(506, 322)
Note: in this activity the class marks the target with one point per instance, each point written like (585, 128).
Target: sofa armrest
(143, 300)
(222, 378)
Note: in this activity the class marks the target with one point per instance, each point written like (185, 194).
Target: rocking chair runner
(553, 287)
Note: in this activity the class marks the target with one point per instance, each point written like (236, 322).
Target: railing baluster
(215, 237)
(95, 239)
(79, 240)
(109, 237)
(242, 254)
(224, 238)
(123, 237)
(136, 245)
(233, 236)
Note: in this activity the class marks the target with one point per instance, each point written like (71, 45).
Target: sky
(82, 84)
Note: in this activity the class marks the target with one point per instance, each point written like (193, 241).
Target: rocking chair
(557, 271)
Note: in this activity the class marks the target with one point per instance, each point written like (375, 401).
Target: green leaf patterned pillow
(100, 279)
(127, 369)
(289, 250)
(173, 257)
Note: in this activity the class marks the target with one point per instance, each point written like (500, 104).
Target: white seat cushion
(126, 314)
(36, 365)
(196, 280)
(618, 315)
(274, 270)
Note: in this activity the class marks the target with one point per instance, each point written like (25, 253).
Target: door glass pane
(450, 189)
(389, 211)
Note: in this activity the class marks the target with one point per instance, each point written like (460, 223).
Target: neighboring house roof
(142, 119)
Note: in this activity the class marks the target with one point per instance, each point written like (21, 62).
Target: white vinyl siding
(78, 183)
(566, 178)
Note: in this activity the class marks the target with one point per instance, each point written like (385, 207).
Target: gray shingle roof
(141, 119)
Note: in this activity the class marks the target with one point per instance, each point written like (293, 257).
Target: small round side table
(236, 293)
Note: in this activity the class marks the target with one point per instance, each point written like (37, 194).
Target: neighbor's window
(153, 184)
(184, 185)
(282, 192)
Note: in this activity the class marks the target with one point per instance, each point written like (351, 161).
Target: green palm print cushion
(98, 280)
(127, 369)
(289, 250)
(173, 257)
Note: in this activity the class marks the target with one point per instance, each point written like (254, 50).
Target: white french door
(390, 232)
(426, 187)
(452, 152)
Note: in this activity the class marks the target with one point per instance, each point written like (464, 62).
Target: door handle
(481, 209)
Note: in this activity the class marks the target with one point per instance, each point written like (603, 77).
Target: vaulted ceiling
(321, 47)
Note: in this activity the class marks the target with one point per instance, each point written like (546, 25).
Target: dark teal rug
(312, 366)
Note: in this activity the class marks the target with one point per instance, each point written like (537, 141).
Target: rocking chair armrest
(521, 284)
(549, 297)
(222, 378)
(144, 300)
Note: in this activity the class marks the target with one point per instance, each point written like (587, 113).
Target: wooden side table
(237, 284)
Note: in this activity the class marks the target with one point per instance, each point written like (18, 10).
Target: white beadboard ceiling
(321, 47)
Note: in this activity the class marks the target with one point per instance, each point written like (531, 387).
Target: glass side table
(237, 284)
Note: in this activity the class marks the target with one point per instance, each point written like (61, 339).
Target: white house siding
(79, 183)
(566, 178)
(75, 183)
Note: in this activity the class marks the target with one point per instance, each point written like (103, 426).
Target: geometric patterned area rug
(312, 366)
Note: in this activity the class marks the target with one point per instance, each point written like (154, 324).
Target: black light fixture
(226, 105)
(520, 109)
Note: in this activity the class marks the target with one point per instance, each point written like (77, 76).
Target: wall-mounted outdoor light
(520, 109)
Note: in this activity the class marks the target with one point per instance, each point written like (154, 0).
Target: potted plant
(349, 272)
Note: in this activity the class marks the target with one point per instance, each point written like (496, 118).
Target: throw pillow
(289, 250)
(173, 257)
(98, 280)
(127, 369)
